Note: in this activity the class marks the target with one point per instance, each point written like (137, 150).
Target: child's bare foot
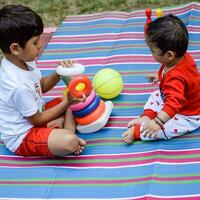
(82, 143)
(140, 120)
(128, 135)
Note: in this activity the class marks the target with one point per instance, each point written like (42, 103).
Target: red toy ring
(80, 80)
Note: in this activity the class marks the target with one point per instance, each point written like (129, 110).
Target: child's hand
(73, 100)
(152, 78)
(150, 129)
(67, 63)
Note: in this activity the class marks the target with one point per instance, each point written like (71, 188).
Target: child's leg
(69, 121)
(175, 127)
(154, 102)
(133, 133)
(128, 135)
(153, 105)
(50, 142)
(62, 142)
(56, 123)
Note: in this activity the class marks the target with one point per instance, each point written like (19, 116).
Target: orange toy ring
(93, 116)
(80, 79)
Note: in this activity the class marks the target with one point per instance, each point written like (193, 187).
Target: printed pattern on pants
(177, 126)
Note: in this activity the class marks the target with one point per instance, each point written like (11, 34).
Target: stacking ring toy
(82, 105)
(92, 116)
(80, 85)
(75, 70)
(88, 109)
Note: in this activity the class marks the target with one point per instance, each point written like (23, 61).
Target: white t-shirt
(20, 97)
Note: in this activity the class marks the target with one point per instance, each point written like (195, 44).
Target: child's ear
(171, 55)
(14, 48)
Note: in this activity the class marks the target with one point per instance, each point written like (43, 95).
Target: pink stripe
(108, 125)
(115, 156)
(195, 53)
(53, 95)
(102, 61)
(101, 164)
(108, 60)
(137, 91)
(129, 104)
(121, 15)
(96, 16)
(165, 198)
(136, 72)
(120, 118)
(195, 29)
(58, 92)
(132, 85)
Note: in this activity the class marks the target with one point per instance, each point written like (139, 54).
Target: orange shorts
(35, 142)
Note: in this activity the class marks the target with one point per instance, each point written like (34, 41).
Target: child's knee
(71, 142)
(63, 142)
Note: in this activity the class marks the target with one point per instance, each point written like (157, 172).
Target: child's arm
(49, 82)
(41, 118)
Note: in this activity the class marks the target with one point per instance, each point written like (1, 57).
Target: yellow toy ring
(79, 86)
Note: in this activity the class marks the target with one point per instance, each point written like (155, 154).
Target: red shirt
(180, 88)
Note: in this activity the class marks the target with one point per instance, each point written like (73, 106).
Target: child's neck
(174, 62)
(19, 63)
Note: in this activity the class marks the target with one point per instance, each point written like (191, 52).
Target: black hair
(168, 33)
(18, 24)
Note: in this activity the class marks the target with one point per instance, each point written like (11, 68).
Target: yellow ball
(108, 83)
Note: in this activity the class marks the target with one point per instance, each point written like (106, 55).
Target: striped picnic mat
(109, 168)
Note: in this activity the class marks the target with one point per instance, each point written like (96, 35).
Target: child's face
(158, 55)
(31, 50)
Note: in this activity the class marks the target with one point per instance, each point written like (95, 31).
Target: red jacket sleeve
(173, 88)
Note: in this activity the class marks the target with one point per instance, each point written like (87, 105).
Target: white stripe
(91, 42)
(103, 65)
(100, 34)
(110, 167)
(127, 198)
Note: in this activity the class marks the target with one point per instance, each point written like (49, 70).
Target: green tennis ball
(108, 83)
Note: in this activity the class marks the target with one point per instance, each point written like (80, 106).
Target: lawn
(54, 11)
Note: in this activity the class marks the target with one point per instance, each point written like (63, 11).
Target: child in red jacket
(174, 109)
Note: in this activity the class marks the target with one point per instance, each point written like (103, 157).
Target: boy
(27, 126)
(174, 109)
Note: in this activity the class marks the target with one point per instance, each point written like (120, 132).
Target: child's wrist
(158, 123)
(160, 120)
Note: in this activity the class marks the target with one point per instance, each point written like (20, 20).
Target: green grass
(54, 11)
